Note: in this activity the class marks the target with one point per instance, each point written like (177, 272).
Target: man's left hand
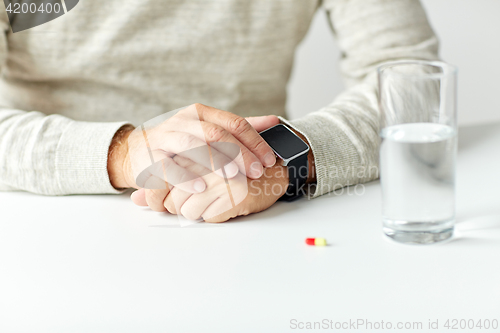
(217, 202)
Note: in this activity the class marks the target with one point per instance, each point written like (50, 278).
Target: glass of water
(418, 122)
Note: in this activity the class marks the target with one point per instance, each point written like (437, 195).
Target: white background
(469, 32)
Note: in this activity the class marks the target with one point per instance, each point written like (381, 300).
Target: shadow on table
(466, 227)
(479, 223)
(467, 240)
(474, 219)
(470, 136)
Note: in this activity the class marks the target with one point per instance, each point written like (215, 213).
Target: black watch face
(284, 142)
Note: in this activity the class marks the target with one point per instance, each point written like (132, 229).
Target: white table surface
(101, 264)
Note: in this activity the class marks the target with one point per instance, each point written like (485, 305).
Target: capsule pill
(316, 241)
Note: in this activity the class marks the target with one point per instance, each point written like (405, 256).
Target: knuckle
(199, 106)
(215, 133)
(258, 145)
(200, 109)
(238, 125)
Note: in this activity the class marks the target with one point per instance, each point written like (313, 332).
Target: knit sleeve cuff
(82, 158)
(335, 156)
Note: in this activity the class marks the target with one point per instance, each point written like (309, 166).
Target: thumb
(263, 122)
(139, 197)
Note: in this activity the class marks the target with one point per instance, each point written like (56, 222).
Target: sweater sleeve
(51, 154)
(344, 135)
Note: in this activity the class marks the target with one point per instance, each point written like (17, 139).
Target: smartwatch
(292, 150)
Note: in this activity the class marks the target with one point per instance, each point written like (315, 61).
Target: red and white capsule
(316, 241)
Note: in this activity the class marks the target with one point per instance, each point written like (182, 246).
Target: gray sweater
(67, 86)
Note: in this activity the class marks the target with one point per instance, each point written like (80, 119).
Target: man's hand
(216, 203)
(190, 128)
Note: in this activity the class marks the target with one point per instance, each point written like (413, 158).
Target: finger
(224, 141)
(168, 203)
(215, 158)
(219, 212)
(194, 207)
(188, 121)
(183, 142)
(150, 145)
(196, 204)
(155, 198)
(241, 130)
(229, 199)
(157, 175)
(191, 166)
(223, 209)
(263, 123)
(220, 141)
(175, 199)
(182, 178)
(139, 197)
(217, 191)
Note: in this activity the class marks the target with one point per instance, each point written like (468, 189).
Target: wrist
(311, 177)
(279, 174)
(119, 169)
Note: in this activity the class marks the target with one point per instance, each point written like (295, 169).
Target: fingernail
(269, 159)
(199, 186)
(231, 170)
(256, 170)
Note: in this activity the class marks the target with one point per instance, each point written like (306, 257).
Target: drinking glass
(418, 122)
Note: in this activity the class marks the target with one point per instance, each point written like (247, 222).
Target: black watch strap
(298, 171)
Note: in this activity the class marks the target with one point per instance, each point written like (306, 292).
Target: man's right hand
(192, 127)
